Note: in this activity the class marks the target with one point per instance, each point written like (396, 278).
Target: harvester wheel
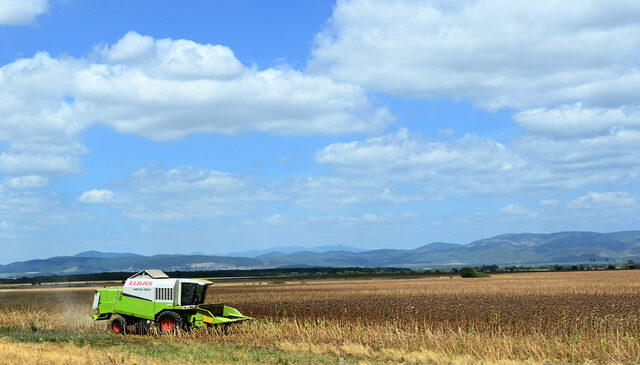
(142, 326)
(119, 325)
(169, 321)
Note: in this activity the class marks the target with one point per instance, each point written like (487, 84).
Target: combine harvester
(150, 296)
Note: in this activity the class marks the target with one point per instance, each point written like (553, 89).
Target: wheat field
(575, 317)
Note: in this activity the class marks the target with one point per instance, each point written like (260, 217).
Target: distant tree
(611, 267)
(468, 272)
(489, 268)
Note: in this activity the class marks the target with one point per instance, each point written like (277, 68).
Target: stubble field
(573, 317)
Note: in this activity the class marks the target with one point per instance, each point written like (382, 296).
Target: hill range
(503, 250)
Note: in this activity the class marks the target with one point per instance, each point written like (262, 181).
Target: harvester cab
(151, 296)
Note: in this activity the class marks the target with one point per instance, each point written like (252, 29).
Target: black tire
(118, 326)
(142, 326)
(168, 322)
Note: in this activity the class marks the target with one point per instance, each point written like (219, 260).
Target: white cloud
(27, 182)
(35, 163)
(30, 210)
(97, 196)
(514, 209)
(352, 220)
(497, 53)
(164, 89)
(567, 69)
(41, 158)
(21, 12)
(278, 219)
(573, 163)
(184, 179)
(606, 200)
(577, 121)
(131, 47)
(38, 123)
(337, 192)
(471, 165)
(401, 153)
(174, 59)
(36, 99)
(188, 192)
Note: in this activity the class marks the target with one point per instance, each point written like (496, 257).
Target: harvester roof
(150, 274)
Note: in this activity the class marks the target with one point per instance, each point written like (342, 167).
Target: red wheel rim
(116, 327)
(167, 324)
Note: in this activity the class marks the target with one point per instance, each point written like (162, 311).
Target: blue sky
(224, 126)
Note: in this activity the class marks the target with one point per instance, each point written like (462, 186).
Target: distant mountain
(292, 249)
(503, 250)
(507, 249)
(126, 262)
(98, 254)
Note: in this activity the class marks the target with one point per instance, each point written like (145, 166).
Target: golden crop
(570, 316)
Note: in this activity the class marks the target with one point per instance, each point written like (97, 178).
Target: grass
(146, 348)
(564, 317)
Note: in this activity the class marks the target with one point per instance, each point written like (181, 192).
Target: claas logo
(140, 283)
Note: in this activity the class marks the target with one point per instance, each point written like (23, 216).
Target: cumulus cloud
(174, 59)
(165, 89)
(21, 12)
(97, 196)
(496, 53)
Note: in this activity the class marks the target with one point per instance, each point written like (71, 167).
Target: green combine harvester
(151, 297)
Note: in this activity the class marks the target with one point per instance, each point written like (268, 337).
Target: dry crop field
(572, 317)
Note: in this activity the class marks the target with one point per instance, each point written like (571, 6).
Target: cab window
(192, 294)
